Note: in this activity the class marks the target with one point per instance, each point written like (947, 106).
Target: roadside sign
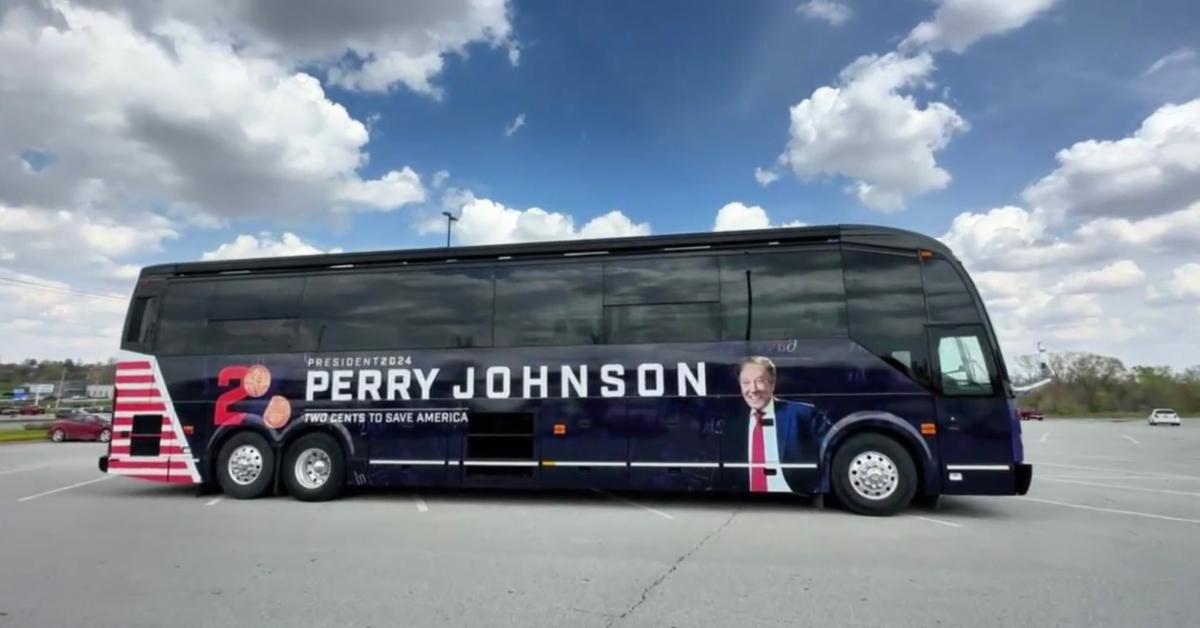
(41, 389)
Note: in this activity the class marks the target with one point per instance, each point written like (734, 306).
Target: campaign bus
(856, 362)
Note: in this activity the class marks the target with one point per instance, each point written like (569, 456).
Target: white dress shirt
(775, 483)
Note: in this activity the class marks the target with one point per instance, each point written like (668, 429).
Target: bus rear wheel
(245, 466)
(874, 475)
(314, 468)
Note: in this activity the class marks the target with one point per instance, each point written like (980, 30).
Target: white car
(1163, 416)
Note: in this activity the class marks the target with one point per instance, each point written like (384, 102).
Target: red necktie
(758, 456)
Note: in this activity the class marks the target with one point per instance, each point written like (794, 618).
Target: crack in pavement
(675, 565)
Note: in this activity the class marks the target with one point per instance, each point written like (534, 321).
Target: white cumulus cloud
(86, 246)
(515, 125)
(485, 221)
(1182, 287)
(247, 246)
(765, 177)
(833, 12)
(175, 117)
(394, 189)
(46, 320)
(1154, 170)
(1119, 275)
(737, 216)
(959, 23)
(439, 179)
(871, 129)
(370, 45)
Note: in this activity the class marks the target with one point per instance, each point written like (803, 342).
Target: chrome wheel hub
(313, 467)
(874, 475)
(245, 464)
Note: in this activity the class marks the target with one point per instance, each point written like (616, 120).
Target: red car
(1029, 414)
(30, 410)
(80, 427)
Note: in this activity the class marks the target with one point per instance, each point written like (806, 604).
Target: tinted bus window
(661, 280)
(253, 316)
(949, 300)
(790, 294)
(549, 305)
(277, 297)
(670, 299)
(886, 309)
(142, 316)
(667, 322)
(400, 310)
(184, 317)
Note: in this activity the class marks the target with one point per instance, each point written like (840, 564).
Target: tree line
(1087, 383)
(18, 374)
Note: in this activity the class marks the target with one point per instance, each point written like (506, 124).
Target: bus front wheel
(314, 468)
(245, 466)
(873, 475)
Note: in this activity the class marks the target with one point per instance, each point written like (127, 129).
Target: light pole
(450, 219)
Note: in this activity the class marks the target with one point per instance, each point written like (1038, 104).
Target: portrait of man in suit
(779, 433)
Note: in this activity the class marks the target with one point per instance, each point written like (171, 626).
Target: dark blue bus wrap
(852, 361)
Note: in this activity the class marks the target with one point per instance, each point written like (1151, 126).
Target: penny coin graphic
(278, 411)
(257, 380)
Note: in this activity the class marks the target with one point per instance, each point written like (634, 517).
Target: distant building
(43, 389)
(73, 388)
(100, 391)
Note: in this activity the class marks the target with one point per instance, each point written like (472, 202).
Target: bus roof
(851, 234)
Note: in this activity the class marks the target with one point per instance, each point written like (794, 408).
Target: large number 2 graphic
(222, 415)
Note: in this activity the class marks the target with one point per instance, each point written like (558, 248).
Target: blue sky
(1052, 143)
(664, 109)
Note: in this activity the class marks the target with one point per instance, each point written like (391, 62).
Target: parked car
(9, 411)
(1029, 414)
(1163, 416)
(31, 410)
(80, 427)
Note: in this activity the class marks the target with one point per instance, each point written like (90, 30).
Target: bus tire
(245, 466)
(314, 468)
(874, 475)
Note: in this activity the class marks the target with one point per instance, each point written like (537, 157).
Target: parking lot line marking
(1114, 511)
(1113, 477)
(633, 503)
(1127, 488)
(937, 521)
(65, 488)
(1147, 474)
(214, 501)
(20, 469)
(421, 507)
(1043, 438)
(1130, 439)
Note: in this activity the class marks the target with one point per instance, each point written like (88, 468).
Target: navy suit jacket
(799, 429)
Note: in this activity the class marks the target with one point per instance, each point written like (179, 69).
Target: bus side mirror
(1046, 373)
(1045, 370)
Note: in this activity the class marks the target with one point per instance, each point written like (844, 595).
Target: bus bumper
(104, 464)
(1024, 477)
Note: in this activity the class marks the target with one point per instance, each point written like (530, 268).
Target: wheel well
(914, 452)
(219, 440)
(280, 446)
(295, 435)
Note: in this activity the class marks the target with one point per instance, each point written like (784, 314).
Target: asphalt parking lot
(1108, 536)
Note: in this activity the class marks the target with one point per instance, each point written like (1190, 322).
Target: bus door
(974, 422)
